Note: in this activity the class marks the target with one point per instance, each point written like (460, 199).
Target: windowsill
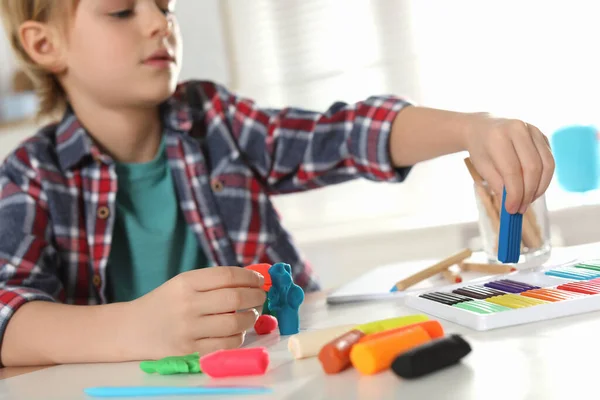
(426, 218)
(21, 123)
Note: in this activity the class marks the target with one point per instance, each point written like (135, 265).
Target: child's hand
(197, 311)
(513, 154)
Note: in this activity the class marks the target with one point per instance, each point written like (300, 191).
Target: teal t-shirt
(151, 240)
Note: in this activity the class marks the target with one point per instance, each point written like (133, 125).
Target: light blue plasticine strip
(568, 275)
(141, 391)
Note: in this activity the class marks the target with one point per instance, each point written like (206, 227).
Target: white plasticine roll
(308, 344)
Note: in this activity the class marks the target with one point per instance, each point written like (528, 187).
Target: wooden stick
(433, 270)
(531, 240)
(478, 179)
(485, 197)
(490, 208)
(535, 227)
(487, 268)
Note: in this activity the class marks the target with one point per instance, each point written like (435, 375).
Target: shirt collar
(74, 144)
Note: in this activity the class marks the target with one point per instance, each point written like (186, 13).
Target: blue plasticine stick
(509, 237)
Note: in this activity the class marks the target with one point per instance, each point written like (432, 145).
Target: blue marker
(141, 391)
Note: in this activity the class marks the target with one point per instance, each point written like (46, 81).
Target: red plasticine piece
(265, 324)
(264, 270)
(235, 362)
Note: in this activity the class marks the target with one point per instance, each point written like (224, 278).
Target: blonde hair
(52, 97)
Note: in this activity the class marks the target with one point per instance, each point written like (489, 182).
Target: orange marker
(335, 355)
(375, 355)
(262, 269)
(433, 328)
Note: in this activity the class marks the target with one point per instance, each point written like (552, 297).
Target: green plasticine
(189, 364)
(588, 266)
(472, 308)
(481, 307)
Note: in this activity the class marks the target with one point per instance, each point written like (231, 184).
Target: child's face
(123, 53)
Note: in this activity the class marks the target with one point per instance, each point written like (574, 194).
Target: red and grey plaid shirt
(227, 156)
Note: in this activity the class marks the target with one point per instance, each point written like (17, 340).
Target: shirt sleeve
(294, 149)
(26, 255)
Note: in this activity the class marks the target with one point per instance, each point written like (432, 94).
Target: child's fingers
(507, 163)
(543, 146)
(225, 325)
(228, 300)
(531, 165)
(207, 279)
(209, 345)
(490, 175)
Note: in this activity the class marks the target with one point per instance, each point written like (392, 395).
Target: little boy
(111, 218)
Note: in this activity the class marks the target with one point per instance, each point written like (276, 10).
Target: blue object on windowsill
(575, 150)
(18, 106)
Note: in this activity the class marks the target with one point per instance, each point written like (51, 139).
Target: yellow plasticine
(537, 301)
(530, 300)
(390, 323)
(506, 301)
(516, 301)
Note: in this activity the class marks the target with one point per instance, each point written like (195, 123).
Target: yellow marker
(390, 323)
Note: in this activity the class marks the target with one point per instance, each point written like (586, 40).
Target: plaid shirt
(227, 156)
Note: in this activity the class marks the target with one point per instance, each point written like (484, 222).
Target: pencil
(452, 275)
(487, 268)
(433, 270)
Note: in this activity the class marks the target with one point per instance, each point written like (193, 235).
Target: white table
(554, 359)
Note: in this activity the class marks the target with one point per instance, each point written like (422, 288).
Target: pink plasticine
(235, 362)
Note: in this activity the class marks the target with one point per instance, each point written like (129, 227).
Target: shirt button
(103, 212)
(96, 280)
(217, 185)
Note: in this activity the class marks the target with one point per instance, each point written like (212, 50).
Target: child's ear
(42, 44)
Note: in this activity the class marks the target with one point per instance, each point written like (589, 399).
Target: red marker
(235, 362)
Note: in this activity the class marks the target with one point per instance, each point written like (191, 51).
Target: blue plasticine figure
(284, 298)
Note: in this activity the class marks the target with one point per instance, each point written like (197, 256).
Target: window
(534, 60)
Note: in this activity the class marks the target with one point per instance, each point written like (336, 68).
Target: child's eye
(165, 11)
(122, 14)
